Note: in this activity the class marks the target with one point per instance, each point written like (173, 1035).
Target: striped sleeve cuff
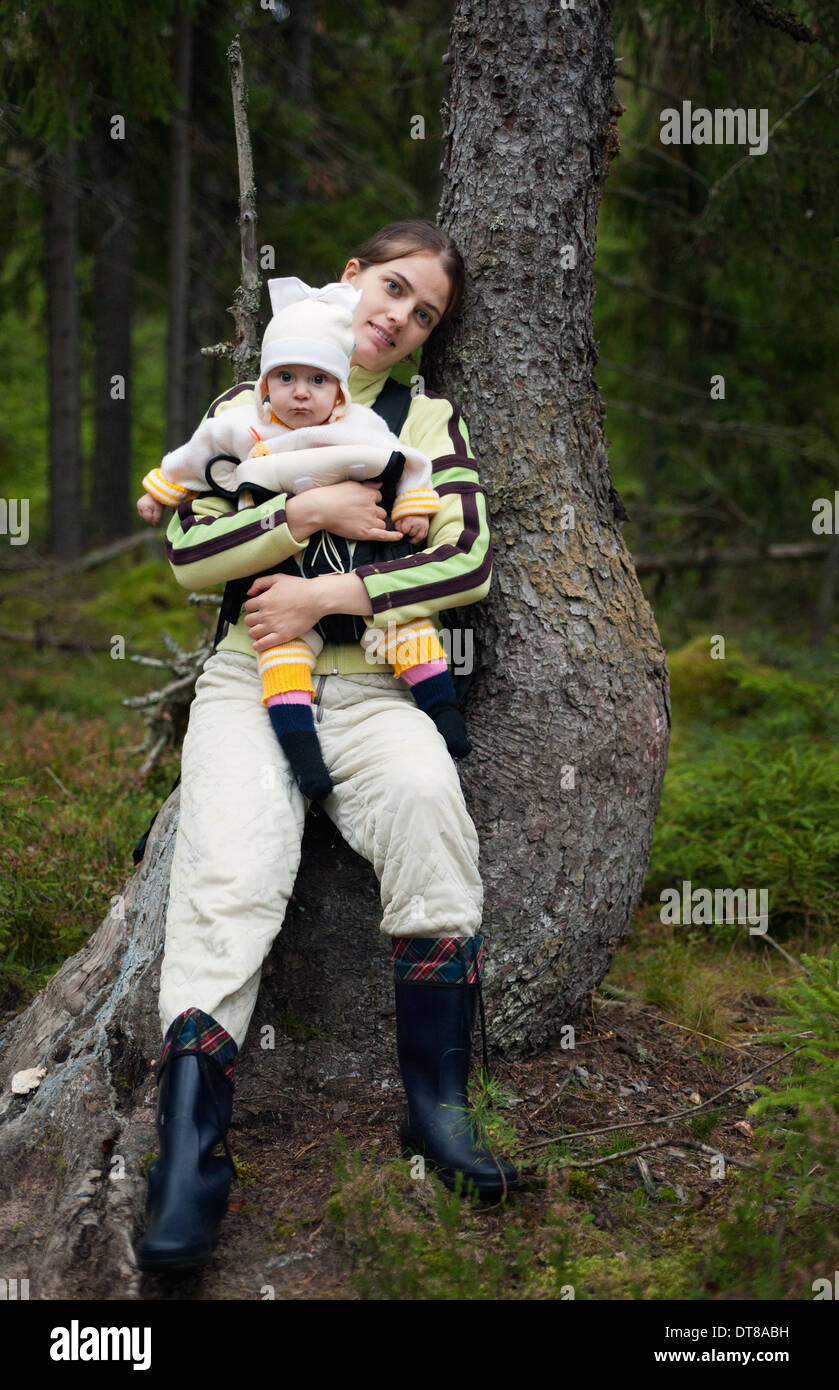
(158, 486)
(419, 501)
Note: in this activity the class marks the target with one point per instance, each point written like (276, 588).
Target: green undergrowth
(753, 773)
(753, 765)
(72, 808)
(758, 1232)
(706, 988)
(805, 1147)
(410, 1238)
(588, 1235)
(72, 801)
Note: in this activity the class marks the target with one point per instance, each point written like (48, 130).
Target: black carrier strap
(393, 403)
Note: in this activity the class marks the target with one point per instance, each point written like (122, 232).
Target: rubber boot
(433, 1036)
(188, 1188)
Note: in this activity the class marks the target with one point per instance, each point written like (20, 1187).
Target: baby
(304, 431)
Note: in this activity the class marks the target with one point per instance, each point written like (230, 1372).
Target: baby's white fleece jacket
(356, 446)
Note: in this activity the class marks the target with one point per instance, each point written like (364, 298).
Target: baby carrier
(392, 404)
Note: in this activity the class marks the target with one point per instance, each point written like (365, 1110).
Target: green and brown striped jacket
(208, 543)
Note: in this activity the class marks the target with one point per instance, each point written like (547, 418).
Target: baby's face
(302, 395)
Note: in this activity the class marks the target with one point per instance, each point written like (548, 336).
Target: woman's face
(401, 302)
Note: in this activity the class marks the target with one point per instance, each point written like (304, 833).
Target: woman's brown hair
(405, 239)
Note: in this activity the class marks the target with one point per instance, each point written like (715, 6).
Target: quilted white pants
(397, 801)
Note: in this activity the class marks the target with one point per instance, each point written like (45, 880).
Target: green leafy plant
(751, 815)
(805, 1148)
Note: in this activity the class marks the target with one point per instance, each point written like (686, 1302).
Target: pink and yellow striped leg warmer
(287, 669)
(414, 651)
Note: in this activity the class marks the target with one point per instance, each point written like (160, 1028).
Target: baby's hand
(149, 508)
(414, 528)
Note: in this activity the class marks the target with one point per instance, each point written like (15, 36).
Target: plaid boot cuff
(194, 1029)
(435, 959)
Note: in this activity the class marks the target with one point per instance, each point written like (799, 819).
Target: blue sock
(436, 698)
(295, 729)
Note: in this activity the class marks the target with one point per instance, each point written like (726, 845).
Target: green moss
(581, 1184)
(754, 760)
(54, 1150)
(725, 692)
(249, 1173)
(335, 1212)
(280, 1232)
(300, 1029)
(637, 1275)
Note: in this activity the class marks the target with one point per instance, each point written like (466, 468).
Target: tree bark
(72, 1186)
(244, 354)
(179, 226)
(246, 300)
(569, 716)
(61, 250)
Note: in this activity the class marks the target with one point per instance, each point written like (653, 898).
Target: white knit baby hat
(312, 327)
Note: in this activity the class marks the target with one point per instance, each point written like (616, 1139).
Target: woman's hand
(281, 607)
(353, 510)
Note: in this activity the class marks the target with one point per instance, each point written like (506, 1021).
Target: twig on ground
(645, 1013)
(646, 1177)
(557, 1093)
(662, 1119)
(715, 1153)
(60, 783)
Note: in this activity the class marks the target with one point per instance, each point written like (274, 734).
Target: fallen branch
(669, 1142)
(166, 711)
(662, 1119)
(32, 560)
(39, 640)
(715, 1153)
(677, 560)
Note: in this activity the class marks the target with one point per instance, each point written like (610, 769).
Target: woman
(237, 850)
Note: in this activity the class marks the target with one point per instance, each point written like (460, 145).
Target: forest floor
(328, 1209)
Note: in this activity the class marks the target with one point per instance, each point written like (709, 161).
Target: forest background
(711, 264)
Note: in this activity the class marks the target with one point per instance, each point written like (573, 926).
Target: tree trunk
(300, 24)
(572, 681)
(61, 249)
(72, 1189)
(179, 224)
(111, 510)
(244, 354)
(245, 307)
(570, 714)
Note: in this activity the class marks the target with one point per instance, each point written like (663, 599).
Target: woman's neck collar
(364, 376)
